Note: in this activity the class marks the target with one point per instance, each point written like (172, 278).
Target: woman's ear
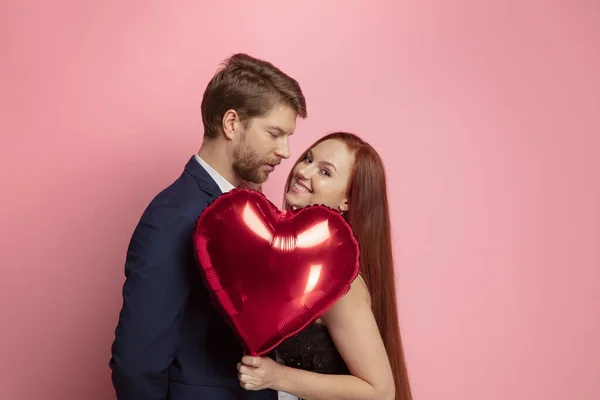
(344, 206)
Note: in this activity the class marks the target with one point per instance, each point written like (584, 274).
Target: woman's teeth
(301, 188)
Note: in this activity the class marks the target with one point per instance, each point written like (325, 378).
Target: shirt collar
(223, 184)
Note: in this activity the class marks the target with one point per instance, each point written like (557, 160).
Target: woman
(354, 351)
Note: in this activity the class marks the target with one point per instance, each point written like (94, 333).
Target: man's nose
(283, 150)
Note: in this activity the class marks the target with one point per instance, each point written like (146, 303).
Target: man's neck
(215, 154)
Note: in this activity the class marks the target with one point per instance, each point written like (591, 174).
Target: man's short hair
(251, 87)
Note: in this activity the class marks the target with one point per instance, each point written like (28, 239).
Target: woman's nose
(304, 172)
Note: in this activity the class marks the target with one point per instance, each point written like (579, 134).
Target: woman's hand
(257, 373)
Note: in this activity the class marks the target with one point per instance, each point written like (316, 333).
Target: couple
(171, 343)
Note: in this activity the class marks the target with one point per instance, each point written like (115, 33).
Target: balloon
(271, 273)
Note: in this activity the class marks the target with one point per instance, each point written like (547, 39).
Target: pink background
(487, 117)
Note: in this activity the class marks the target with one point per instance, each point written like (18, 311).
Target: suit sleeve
(155, 294)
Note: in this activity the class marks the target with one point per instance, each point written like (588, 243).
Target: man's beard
(248, 164)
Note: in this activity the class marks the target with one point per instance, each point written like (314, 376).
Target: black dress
(313, 350)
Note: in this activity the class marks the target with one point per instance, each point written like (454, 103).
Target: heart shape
(271, 273)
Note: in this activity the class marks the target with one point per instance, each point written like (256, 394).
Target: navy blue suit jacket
(170, 342)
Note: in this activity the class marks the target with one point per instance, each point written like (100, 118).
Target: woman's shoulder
(359, 291)
(357, 296)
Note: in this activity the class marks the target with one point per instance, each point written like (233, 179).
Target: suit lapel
(205, 182)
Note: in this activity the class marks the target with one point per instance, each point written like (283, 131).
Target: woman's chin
(294, 201)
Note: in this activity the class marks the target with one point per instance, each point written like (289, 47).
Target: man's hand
(257, 373)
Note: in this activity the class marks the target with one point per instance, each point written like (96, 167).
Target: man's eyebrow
(276, 128)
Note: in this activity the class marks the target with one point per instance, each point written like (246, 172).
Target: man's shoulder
(185, 195)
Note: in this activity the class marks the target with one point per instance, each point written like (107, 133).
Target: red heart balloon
(271, 273)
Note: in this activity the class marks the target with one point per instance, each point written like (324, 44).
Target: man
(170, 342)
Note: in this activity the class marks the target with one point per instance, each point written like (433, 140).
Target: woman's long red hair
(369, 216)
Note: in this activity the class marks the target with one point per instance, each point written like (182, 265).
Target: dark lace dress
(312, 350)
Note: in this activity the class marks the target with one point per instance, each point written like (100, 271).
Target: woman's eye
(326, 172)
(306, 160)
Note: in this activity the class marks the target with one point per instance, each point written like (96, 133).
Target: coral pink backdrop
(486, 114)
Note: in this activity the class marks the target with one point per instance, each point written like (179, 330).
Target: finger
(247, 370)
(252, 361)
(246, 378)
(248, 386)
(238, 366)
(246, 381)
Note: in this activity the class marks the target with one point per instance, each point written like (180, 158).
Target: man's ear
(231, 124)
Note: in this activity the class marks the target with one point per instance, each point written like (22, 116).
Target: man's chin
(255, 179)
(262, 178)
(259, 182)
